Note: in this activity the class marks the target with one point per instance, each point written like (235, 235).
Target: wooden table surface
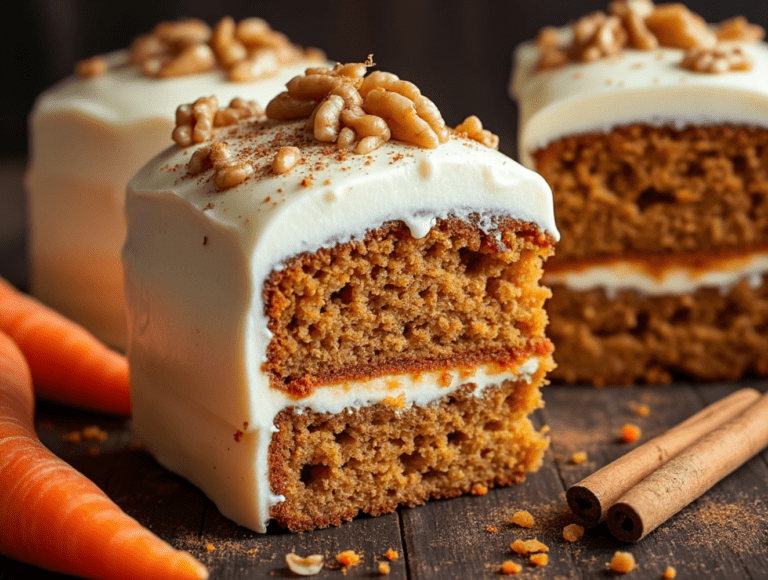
(724, 534)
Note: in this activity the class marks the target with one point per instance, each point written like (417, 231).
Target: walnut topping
(738, 29)
(91, 67)
(195, 122)
(344, 106)
(641, 25)
(308, 566)
(675, 26)
(473, 129)
(716, 60)
(247, 50)
(228, 172)
(286, 159)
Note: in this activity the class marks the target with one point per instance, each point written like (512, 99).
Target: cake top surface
(175, 60)
(344, 174)
(600, 72)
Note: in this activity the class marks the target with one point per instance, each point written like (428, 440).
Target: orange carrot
(69, 365)
(52, 516)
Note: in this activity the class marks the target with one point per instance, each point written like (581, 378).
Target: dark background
(458, 52)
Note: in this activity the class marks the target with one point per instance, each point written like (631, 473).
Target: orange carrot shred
(68, 364)
(52, 516)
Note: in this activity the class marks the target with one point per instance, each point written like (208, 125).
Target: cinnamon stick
(591, 498)
(686, 477)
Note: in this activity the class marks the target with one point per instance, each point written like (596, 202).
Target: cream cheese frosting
(635, 276)
(87, 138)
(196, 260)
(634, 86)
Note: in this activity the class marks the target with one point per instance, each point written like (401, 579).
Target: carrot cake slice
(336, 309)
(90, 133)
(651, 127)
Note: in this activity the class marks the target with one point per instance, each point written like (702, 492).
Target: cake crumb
(93, 433)
(526, 547)
(510, 568)
(669, 573)
(308, 566)
(544, 429)
(630, 433)
(72, 437)
(347, 558)
(523, 518)
(210, 548)
(539, 559)
(579, 457)
(622, 562)
(573, 532)
(384, 568)
(642, 410)
(391, 554)
(479, 489)
(491, 529)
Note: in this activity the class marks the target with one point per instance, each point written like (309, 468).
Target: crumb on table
(573, 532)
(510, 568)
(622, 562)
(630, 433)
(523, 519)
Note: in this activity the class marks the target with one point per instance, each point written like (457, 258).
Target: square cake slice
(338, 314)
(651, 127)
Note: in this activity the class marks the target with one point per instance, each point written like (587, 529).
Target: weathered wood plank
(241, 554)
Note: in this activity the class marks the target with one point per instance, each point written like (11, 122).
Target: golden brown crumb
(630, 433)
(72, 437)
(539, 559)
(491, 529)
(308, 566)
(210, 548)
(544, 429)
(669, 573)
(526, 547)
(622, 562)
(93, 433)
(510, 568)
(573, 532)
(479, 489)
(579, 457)
(391, 554)
(384, 568)
(523, 519)
(348, 558)
(642, 410)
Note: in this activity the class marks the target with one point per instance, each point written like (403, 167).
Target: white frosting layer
(196, 260)
(634, 87)
(87, 138)
(635, 276)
